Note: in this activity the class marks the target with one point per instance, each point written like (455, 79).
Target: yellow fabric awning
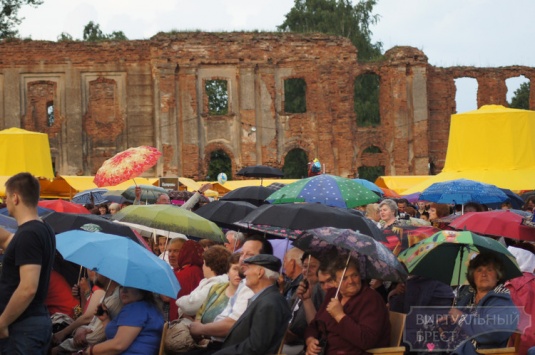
(67, 186)
(400, 183)
(234, 184)
(192, 185)
(22, 150)
(493, 145)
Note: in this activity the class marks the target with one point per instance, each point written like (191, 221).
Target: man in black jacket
(261, 327)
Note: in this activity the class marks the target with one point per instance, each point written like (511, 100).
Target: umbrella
(91, 196)
(119, 259)
(126, 165)
(261, 171)
(149, 193)
(115, 196)
(499, 223)
(62, 222)
(252, 194)
(302, 216)
(326, 189)
(389, 193)
(41, 211)
(515, 200)
(8, 223)
(445, 256)
(376, 261)
(172, 219)
(462, 191)
(402, 237)
(370, 185)
(225, 213)
(63, 206)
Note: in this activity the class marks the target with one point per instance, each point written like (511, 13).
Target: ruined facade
(96, 99)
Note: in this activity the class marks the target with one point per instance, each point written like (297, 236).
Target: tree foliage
(9, 16)
(219, 163)
(295, 164)
(366, 100)
(295, 90)
(336, 17)
(217, 93)
(521, 97)
(93, 33)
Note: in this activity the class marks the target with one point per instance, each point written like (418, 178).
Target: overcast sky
(483, 33)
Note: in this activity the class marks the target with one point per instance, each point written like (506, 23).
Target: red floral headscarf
(190, 254)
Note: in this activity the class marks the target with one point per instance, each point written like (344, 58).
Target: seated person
(214, 308)
(137, 329)
(214, 269)
(489, 300)
(59, 298)
(355, 321)
(94, 332)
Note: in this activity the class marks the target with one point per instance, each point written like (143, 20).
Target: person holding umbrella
(353, 322)
(487, 316)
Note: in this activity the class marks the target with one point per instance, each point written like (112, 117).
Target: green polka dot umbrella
(326, 189)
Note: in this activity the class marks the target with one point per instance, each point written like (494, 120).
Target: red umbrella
(63, 206)
(126, 165)
(497, 223)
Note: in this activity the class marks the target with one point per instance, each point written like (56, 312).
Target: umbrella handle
(343, 274)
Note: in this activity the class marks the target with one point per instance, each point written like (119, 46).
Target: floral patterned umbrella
(326, 189)
(376, 261)
(126, 165)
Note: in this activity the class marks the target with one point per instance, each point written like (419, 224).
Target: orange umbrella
(126, 165)
(63, 206)
(390, 193)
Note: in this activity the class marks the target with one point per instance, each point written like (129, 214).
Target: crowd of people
(240, 298)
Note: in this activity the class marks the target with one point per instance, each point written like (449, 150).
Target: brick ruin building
(95, 99)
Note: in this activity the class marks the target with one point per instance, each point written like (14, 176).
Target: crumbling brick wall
(108, 96)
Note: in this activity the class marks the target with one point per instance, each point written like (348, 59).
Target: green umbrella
(445, 256)
(170, 218)
(326, 189)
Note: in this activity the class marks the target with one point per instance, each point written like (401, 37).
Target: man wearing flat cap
(261, 327)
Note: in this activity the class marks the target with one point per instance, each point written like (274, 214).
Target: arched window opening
(295, 164)
(518, 90)
(466, 94)
(219, 163)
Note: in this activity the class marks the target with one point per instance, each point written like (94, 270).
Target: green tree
(336, 17)
(219, 163)
(521, 97)
(217, 93)
(295, 164)
(93, 33)
(9, 19)
(342, 18)
(64, 37)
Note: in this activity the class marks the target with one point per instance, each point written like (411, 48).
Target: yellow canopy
(192, 185)
(67, 186)
(399, 183)
(22, 150)
(493, 145)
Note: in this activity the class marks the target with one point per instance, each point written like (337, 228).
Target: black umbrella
(252, 194)
(261, 171)
(62, 222)
(225, 213)
(302, 216)
(92, 196)
(116, 196)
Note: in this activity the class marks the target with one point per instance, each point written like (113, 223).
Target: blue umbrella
(462, 191)
(515, 200)
(92, 196)
(120, 259)
(8, 223)
(370, 185)
(41, 211)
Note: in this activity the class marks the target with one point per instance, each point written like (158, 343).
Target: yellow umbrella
(22, 150)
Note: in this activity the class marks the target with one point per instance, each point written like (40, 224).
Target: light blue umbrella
(120, 259)
(92, 196)
(462, 191)
(370, 185)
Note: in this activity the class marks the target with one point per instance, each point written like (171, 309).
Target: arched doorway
(295, 164)
(219, 163)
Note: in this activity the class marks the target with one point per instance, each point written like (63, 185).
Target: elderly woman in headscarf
(186, 260)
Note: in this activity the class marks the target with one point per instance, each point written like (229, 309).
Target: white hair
(270, 274)
(295, 254)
